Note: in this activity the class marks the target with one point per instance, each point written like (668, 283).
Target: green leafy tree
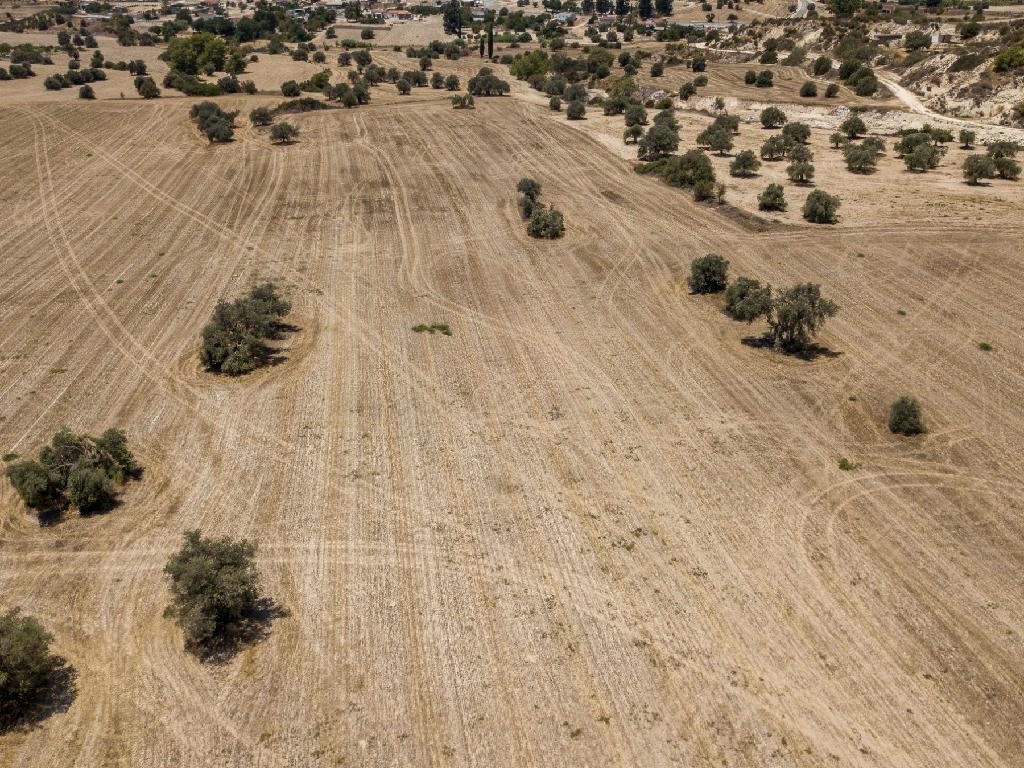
(853, 126)
(659, 141)
(800, 172)
(773, 117)
(283, 133)
(746, 299)
(746, 164)
(772, 199)
(821, 207)
(717, 137)
(798, 314)
(708, 274)
(28, 670)
(977, 167)
(214, 591)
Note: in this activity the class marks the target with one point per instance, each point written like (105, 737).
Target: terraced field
(592, 527)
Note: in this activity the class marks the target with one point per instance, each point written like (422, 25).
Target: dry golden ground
(592, 527)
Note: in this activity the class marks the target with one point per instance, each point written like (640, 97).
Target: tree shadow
(60, 693)
(251, 630)
(808, 352)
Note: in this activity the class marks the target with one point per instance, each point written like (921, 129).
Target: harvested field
(592, 527)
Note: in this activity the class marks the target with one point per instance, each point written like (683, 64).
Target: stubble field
(592, 527)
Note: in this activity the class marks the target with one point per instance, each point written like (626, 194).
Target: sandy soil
(591, 528)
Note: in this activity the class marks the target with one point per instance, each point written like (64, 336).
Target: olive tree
(746, 164)
(821, 207)
(772, 199)
(772, 117)
(708, 274)
(214, 591)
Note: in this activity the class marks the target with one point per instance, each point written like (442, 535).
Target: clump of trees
(708, 274)
(821, 207)
(691, 170)
(463, 101)
(28, 671)
(541, 221)
(233, 340)
(213, 122)
(75, 471)
(215, 596)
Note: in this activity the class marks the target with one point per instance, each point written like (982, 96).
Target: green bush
(214, 122)
(546, 223)
(977, 167)
(283, 133)
(576, 110)
(746, 164)
(905, 417)
(809, 89)
(772, 117)
(708, 274)
(746, 298)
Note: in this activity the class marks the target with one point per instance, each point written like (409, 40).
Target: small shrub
(576, 110)
(809, 89)
(905, 417)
